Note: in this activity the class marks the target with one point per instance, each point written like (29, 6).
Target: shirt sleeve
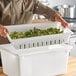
(1, 11)
(46, 11)
(6, 16)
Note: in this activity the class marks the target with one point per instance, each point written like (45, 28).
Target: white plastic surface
(36, 56)
(39, 61)
(23, 43)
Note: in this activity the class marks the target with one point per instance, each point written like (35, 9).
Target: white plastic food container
(40, 40)
(36, 56)
(38, 61)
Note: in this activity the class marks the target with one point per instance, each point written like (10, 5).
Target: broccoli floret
(35, 32)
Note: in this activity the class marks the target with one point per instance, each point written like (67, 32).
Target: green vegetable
(35, 32)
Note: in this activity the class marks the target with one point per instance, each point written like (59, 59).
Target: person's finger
(3, 32)
(65, 24)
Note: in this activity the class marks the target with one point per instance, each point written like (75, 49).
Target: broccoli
(35, 32)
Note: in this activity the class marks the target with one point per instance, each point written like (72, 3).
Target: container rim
(66, 6)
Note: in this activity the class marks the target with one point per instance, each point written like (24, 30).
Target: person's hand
(3, 31)
(63, 22)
